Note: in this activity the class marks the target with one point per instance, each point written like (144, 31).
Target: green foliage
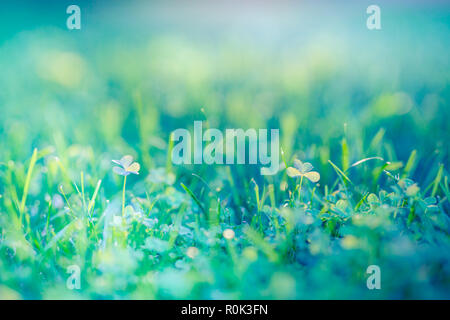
(219, 232)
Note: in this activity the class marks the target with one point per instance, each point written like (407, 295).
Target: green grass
(316, 244)
(382, 197)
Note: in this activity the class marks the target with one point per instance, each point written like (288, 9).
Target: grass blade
(197, 201)
(27, 183)
(437, 180)
(94, 196)
(339, 171)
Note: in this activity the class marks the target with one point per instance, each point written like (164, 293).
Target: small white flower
(228, 234)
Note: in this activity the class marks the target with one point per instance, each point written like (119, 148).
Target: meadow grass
(269, 238)
(220, 232)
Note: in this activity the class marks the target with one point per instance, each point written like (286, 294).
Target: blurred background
(137, 70)
(306, 67)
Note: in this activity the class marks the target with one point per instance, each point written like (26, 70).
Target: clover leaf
(301, 169)
(127, 166)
